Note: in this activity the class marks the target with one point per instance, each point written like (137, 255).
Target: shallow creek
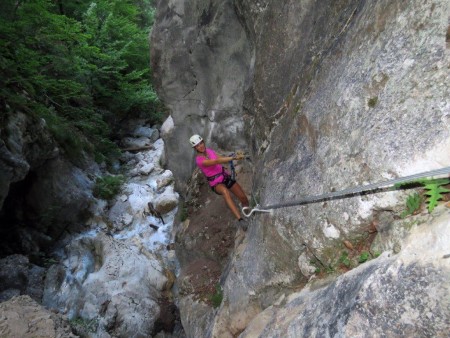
(111, 277)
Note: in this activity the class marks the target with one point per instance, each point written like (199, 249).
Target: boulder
(23, 317)
(167, 201)
(18, 276)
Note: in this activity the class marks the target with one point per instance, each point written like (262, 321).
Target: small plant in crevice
(372, 101)
(217, 297)
(344, 259)
(363, 257)
(413, 203)
(83, 326)
(376, 254)
(330, 269)
(108, 186)
(434, 190)
(184, 214)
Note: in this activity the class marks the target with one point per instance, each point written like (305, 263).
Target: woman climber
(219, 179)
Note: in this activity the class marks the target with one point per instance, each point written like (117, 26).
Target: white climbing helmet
(195, 140)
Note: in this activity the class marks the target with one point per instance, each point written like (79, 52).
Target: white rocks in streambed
(164, 180)
(142, 168)
(147, 162)
(127, 219)
(142, 131)
(150, 133)
(145, 168)
(131, 142)
(104, 280)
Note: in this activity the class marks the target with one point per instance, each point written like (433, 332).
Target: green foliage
(217, 297)
(434, 190)
(413, 203)
(330, 269)
(363, 257)
(344, 259)
(376, 254)
(83, 326)
(184, 213)
(82, 66)
(372, 101)
(107, 187)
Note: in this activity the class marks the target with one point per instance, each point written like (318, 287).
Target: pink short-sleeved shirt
(212, 169)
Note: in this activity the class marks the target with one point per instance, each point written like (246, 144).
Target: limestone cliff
(326, 96)
(42, 194)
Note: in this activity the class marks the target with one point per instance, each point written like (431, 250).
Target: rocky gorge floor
(114, 279)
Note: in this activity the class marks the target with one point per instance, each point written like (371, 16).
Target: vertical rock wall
(335, 95)
(201, 60)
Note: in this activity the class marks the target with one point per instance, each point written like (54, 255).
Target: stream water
(111, 277)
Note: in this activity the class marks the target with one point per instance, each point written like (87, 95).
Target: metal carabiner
(255, 209)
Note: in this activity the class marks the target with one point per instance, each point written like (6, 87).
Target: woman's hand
(239, 155)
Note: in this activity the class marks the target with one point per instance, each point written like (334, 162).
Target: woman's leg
(237, 190)
(223, 190)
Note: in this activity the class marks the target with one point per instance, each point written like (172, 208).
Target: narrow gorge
(322, 96)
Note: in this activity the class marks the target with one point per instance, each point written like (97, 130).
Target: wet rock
(110, 282)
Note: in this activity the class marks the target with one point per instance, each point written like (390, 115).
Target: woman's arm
(219, 160)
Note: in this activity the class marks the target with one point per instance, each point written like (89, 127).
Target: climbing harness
(233, 171)
(231, 163)
(374, 187)
(213, 177)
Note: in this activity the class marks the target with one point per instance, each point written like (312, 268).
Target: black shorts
(227, 181)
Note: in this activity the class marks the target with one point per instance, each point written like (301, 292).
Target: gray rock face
(47, 194)
(400, 295)
(18, 276)
(201, 59)
(334, 95)
(24, 143)
(63, 193)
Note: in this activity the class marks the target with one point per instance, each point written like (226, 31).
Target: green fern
(434, 192)
(434, 189)
(413, 203)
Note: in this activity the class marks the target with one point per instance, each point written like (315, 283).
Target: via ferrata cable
(349, 192)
